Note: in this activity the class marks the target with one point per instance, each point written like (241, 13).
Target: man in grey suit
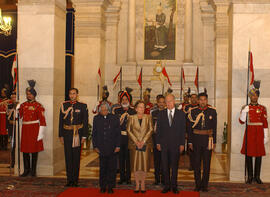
(171, 128)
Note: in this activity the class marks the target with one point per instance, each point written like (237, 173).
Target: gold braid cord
(201, 115)
(67, 111)
(123, 116)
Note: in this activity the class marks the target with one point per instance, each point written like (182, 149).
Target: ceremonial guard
(11, 115)
(73, 130)
(106, 142)
(202, 139)
(123, 112)
(157, 154)
(186, 109)
(105, 96)
(256, 133)
(33, 126)
(118, 104)
(3, 119)
(146, 99)
(186, 100)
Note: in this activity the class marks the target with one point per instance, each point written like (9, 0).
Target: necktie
(170, 118)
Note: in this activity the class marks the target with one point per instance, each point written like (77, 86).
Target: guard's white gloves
(18, 106)
(41, 133)
(243, 113)
(266, 138)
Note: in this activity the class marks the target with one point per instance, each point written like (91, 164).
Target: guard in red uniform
(146, 99)
(33, 127)
(256, 133)
(3, 119)
(105, 96)
(186, 101)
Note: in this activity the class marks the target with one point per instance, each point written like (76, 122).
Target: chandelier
(5, 24)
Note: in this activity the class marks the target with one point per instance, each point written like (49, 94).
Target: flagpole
(141, 84)
(198, 79)
(181, 85)
(121, 79)
(247, 116)
(98, 92)
(18, 120)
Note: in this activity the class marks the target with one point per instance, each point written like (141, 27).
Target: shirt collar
(203, 108)
(73, 102)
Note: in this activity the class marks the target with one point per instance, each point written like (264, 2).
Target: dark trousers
(3, 142)
(201, 153)
(13, 145)
(169, 160)
(28, 164)
(107, 172)
(257, 170)
(124, 163)
(157, 164)
(72, 157)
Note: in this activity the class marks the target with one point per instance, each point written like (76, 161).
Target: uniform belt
(73, 127)
(203, 132)
(30, 122)
(3, 112)
(76, 138)
(123, 133)
(12, 122)
(255, 123)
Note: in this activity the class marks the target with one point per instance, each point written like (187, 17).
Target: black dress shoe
(128, 182)
(165, 190)
(204, 190)
(25, 173)
(75, 184)
(258, 180)
(249, 180)
(175, 190)
(102, 190)
(197, 189)
(136, 191)
(143, 191)
(110, 191)
(69, 184)
(121, 182)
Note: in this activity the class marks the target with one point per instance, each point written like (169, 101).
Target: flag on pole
(251, 68)
(99, 75)
(14, 72)
(164, 72)
(183, 75)
(140, 78)
(196, 81)
(116, 78)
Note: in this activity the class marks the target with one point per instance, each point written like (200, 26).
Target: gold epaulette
(113, 109)
(211, 107)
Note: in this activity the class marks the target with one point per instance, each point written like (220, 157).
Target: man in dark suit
(171, 128)
(202, 139)
(73, 130)
(106, 142)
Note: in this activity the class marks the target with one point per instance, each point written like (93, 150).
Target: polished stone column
(89, 54)
(112, 15)
(132, 31)
(41, 56)
(188, 56)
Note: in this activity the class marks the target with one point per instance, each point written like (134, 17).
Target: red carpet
(86, 192)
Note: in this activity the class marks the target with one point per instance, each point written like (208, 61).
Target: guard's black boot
(258, 163)
(249, 170)
(34, 164)
(26, 164)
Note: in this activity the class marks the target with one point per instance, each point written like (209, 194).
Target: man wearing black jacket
(73, 130)
(202, 139)
(106, 142)
(171, 128)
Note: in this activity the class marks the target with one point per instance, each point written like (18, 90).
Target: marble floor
(219, 165)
